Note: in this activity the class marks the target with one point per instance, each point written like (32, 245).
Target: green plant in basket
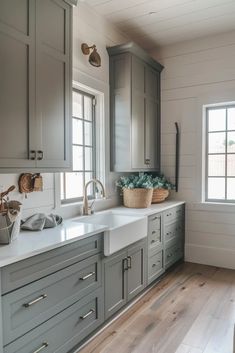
(160, 182)
(141, 181)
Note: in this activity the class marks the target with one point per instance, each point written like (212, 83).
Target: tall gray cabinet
(135, 109)
(35, 84)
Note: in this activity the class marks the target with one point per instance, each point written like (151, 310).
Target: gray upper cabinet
(17, 69)
(135, 109)
(35, 59)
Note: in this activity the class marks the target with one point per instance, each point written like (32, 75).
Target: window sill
(213, 207)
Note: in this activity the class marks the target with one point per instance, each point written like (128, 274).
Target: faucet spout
(86, 208)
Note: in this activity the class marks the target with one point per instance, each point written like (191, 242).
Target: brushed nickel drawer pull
(87, 276)
(155, 218)
(44, 345)
(125, 265)
(35, 301)
(87, 315)
(153, 241)
(129, 262)
(154, 232)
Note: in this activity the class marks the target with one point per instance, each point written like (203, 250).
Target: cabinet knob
(32, 155)
(40, 155)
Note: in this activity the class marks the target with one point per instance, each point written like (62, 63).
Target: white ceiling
(161, 22)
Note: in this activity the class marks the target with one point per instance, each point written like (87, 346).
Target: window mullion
(83, 136)
(226, 154)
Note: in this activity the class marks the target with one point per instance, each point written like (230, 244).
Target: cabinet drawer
(29, 270)
(173, 254)
(154, 222)
(63, 331)
(173, 214)
(154, 239)
(28, 307)
(173, 231)
(155, 266)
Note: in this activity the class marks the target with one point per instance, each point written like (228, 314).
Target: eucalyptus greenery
(144, 181)
(141, 181)
(160, 182)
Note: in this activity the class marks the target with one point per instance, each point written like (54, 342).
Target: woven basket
(137, 198)
(159, 195)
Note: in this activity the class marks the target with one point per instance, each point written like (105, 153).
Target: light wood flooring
(191, 310)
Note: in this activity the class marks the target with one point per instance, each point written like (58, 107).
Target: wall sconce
(94, 57)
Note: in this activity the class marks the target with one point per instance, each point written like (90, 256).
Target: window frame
(208, 108)
(65, 201)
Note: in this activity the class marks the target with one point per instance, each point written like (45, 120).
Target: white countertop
(154, 208)
(31, 243)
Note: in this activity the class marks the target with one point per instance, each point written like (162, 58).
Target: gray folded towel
(40, 221)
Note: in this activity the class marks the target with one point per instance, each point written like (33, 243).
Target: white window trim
(204, 204)
(100, 152)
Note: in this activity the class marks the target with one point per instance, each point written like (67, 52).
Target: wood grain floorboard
(191, 310)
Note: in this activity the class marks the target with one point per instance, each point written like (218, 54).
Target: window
(220, 153)
(83, 148)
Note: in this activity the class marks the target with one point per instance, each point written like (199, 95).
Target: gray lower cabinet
(64, 331)
(54, 300)
(165, 240)
(51, 302)
(26, 271)
(155, 247)
(124, 276)
(35, 85)
(173, 230)
(31, 305)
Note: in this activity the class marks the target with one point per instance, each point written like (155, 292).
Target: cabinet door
(17, 98)
(136, 275)
(53, 83)
(115, 283)
(138, 114)
(151, 134)
(152, 119)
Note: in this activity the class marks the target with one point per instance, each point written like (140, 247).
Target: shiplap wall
(91, 28)
(196, 73)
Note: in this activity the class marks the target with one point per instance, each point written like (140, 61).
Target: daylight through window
(83, 146)
(220, 151)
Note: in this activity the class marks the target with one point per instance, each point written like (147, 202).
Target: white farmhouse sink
(122, 231)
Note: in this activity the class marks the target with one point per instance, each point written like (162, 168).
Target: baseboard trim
(212, 256)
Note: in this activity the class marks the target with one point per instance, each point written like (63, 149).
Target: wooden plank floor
(192, 310)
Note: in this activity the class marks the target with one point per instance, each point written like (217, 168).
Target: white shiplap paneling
(196, 73)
